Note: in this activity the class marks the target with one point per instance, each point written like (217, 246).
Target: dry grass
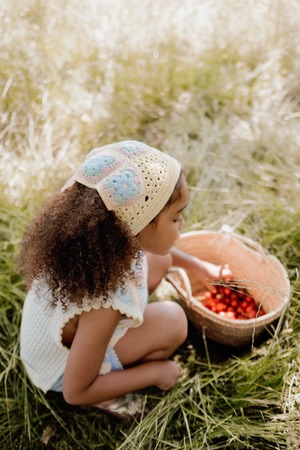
(218, 88)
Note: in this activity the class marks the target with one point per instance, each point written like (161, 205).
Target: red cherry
(231, 304)
(227, 314)
(234, 303)
(220, 307)
(207, 295)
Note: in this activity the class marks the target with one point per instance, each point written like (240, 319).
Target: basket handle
(227, 230)
(187, 290)
(186, 293)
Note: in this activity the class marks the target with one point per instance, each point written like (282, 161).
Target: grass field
(215, 84)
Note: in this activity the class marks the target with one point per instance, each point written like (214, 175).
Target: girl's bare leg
(164, 329)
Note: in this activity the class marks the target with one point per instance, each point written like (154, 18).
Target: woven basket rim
(232, 323)
(246, 242)
(243, 323)
(240, 324)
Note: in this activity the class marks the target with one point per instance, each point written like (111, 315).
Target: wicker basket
(261, 274)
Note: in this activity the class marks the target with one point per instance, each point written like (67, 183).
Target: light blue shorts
(111, 358)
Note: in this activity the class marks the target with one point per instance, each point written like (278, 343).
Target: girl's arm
(82, 384)
(205, 270)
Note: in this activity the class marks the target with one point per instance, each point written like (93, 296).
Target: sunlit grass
(217, 87)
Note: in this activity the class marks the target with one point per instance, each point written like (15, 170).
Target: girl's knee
(164, 329)
(177, 323)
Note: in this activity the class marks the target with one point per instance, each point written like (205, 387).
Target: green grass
(218, 88)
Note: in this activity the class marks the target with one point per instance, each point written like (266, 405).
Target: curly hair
(79, 247)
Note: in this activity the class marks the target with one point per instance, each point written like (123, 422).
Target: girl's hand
(204, 270)
(168, 373)
(209, 272)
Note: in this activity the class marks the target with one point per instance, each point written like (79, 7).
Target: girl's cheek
(180, 224)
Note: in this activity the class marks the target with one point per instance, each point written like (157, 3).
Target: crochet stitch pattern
(98, 166)
(132, 178)
(123, 187)
(128, 148)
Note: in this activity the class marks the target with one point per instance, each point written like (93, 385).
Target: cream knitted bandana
(133, 179)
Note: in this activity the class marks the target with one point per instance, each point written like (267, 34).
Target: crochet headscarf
(133, 179)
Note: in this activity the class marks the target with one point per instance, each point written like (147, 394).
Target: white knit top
(42, 352)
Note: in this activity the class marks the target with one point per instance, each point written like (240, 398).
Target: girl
(87, 330)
